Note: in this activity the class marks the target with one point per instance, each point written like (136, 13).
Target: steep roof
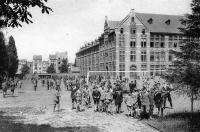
(113, 24)
(159, 24)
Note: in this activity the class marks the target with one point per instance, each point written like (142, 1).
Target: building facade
(139, 42)
(37, 64)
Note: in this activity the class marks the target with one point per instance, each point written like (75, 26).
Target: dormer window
(132, 19)
(121, 30)
(168, 22)
(150, 21)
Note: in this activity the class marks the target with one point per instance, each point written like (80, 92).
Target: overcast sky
(75, 21)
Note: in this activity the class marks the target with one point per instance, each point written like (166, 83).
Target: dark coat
(118, 97)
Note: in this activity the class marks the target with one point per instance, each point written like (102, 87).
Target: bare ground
(30, 111)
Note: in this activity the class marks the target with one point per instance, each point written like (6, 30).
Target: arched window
(121, 30)
(132, 19)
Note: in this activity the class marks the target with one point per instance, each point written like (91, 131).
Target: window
(121, 40)
(121, 30)
(170, 44)
(122, 56)
(144, 67)
(133, 30)
(143, 31)
(143, 56)
(175, 45)
(162, 58)
(157, 45)
(162, 45)
(151, 44)
(157, 56)
(133, 56)
(143, 43)
(122, 67)
(132, 19)
(152, 56)
(132, 44)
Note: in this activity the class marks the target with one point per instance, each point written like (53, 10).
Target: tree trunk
(192, 101)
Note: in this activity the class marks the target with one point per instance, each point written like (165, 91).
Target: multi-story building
(37, 64)
(52, 60)
(45, 65)
(60, 56)
(139, 42)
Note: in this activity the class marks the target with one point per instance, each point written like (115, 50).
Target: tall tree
(51, 69)
(12, 56)
(3, 56)
(16, 12)
(64, 66)
(186, 71)
(25, 70)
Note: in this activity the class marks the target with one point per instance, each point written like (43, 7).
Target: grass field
(179, 119)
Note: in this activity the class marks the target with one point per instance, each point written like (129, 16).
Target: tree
(25, 70)
(186, 71)
(3, 57)
(16, 12)
(12, 57)
(51, 69)
(64, 66)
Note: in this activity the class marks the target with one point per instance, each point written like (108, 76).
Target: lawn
(179, 119)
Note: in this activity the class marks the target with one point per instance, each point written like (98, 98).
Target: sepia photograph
(99, 65)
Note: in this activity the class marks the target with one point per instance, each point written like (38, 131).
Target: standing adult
(118, 98)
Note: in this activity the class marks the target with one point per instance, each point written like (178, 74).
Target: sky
(74, 22)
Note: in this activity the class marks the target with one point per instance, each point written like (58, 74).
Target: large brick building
(139, 42)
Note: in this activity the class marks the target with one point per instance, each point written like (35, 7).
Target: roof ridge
(158, 14)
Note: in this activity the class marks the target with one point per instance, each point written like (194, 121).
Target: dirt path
(36, 108)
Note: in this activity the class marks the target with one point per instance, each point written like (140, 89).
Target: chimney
(132, 11)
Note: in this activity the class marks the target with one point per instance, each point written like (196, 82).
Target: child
(96, 97)
(56, 100)
(78, 99)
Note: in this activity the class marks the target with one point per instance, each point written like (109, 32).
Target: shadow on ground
(9, 124)
(178, 122)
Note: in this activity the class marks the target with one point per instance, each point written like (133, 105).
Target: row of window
(154, 56)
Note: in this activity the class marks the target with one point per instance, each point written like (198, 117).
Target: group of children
(10, 83)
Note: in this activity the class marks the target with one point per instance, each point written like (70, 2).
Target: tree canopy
(12, 57)
(64, 66)
(51, 69)
(3, 55)
(15, 12)
(25, 70)
(186, 71)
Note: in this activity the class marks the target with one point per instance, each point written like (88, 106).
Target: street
(37, 108)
